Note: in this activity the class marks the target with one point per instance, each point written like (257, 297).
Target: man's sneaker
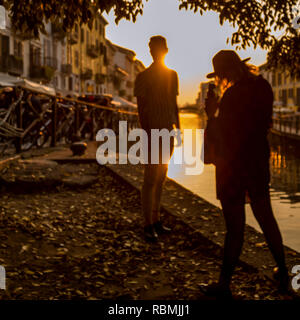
(150, 234)
(160, 228)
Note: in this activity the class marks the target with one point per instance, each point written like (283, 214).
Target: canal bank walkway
(69, 239)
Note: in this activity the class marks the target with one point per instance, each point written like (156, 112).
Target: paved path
(199, 214)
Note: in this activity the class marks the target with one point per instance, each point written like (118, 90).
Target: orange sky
(192, 40)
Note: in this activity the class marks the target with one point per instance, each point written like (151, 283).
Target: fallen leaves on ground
(87, 243)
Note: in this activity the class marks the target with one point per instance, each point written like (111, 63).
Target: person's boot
(160, 228)
(283, 278)
(217, 290)
(150, 233)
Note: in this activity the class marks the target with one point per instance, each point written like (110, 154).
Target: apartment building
(286, 88)
(203, 88)
(79, 62)
(70, 62)
(86, 58)
(21, 55)
(123, 68)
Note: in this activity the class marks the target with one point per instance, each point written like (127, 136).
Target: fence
(24, 125)
(287, 125)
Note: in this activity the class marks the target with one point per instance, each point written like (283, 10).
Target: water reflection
(285, 169)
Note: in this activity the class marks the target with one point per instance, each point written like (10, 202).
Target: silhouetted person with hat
(241, 157)
(156, 89)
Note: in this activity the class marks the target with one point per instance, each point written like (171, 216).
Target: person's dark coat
(242, 153)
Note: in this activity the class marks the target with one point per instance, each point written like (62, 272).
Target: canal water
(285, 181)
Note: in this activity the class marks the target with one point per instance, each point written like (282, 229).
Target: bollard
(54, 123)
(19, 109)
(76, 120)
(92, 115)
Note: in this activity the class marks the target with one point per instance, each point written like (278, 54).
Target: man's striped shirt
(158, 88)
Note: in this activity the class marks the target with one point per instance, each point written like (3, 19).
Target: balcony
(12, 65)
(92, 51)
(66, 68)
(73, 37)
(50, 62)
(100, 78)
(43, 71)
(87, 74)
(24, 35)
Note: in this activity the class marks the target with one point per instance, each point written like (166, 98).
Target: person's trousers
(234, 214)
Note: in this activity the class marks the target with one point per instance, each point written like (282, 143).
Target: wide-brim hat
(225, 60)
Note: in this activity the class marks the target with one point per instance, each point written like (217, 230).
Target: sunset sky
(192, 40)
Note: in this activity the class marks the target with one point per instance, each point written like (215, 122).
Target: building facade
(286, 88)
(123, 68)
(23, 56)
(203, 88)
(86, 53)
(79, 62)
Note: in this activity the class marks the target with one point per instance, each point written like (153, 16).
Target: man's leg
(161, 176)
(147, 197)
(148, 191)
(165, 156)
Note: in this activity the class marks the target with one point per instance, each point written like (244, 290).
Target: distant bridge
(190, 109)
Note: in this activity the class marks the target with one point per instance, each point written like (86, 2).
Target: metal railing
(287, 125)
(56, 121)
(11, 64)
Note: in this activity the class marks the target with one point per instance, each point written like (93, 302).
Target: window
(284, 97)
(291, 93)
(5, 45)
(47, 48)
(273, 79)
(279, 79)
(63, 82)
(284, 78)
(35, 55)
(76, 59)
(87, 37)
(70, 83)
(298, 97)
(82, 35)
(18, 48)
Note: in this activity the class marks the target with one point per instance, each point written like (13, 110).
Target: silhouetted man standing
(156, 90)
